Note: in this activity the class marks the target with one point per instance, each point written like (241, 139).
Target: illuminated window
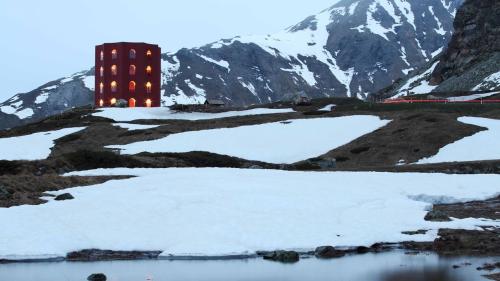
(101, 71)
(131, 102)
(131, 54)
(149, 53)
(114, 70)
(112, 101)
(114, 54)
(131, 86)
(148, 87)
(148, 70)
(101, 88)
(114, 86)
(131, 69)
(148, 103)
(102, 55)
(101, 102)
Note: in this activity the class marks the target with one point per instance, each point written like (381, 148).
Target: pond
(388, 266)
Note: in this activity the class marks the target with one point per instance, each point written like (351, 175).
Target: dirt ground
(26, 189)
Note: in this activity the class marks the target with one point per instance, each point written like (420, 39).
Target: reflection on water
(390, 266)
(426, 274)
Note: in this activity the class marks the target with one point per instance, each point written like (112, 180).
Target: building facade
(127, 74)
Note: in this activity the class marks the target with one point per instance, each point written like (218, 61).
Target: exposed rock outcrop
(328, 252)
(282, 256)
(97, 277)
(474, 50)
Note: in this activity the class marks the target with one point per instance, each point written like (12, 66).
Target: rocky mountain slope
(354, 48)
(472, 60)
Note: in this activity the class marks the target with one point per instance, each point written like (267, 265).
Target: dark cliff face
(470, 63)
(474, 47)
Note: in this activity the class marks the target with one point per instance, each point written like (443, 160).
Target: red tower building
(129, 72)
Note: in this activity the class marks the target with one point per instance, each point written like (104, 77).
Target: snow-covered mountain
(353, 48)
(471, 61)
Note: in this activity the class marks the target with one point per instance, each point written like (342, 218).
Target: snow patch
(164, 113)
(489, 83)
(36, 146)
(221, 63)
(298, 139)
(133, 127)
(418, 84)
(481, 146)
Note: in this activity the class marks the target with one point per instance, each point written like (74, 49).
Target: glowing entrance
(131, 86)
(131, 102)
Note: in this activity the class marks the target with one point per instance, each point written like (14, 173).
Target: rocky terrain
(473, 53)
(353, 48)
(471, 62)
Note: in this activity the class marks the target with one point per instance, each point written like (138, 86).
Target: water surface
(390, 266)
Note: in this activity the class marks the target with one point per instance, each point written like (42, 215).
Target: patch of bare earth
(26, 189)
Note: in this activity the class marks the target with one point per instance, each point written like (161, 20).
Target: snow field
(213, 212)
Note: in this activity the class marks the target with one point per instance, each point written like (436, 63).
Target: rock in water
(282, 256)
(328, 252)
(97, 277)
(64, 196)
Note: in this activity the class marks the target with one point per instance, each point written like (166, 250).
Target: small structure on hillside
(297, 98)
(215, 103)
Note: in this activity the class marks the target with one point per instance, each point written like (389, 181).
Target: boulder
(97, 277)
(282, 256)
(328, 252)
(362, 250)
(64, 196)
(436, 215)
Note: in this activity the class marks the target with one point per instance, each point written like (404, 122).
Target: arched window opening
(131, 70)
(131, 54)
(101, 71)
(102, 55)
(114, 70)
(149, 53)
(131, 102)
(149, 70)
(148, 103)
(114, 54)
(101, 88)
(131, 86)
(114, 86)
(101, 102)
(112, 101)
(148, 87)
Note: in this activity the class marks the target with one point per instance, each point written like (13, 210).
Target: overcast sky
(49, 39)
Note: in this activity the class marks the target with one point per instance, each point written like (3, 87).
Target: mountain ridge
(352, 49)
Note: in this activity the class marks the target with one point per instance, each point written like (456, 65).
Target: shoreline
(409, 247)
